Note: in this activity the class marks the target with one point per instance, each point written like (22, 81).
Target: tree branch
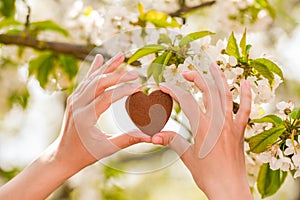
(77, 50)
(185, 9)
(82, 52)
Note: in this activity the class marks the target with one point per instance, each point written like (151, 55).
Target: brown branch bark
(185, 9)
(82, 52)
(77, 50)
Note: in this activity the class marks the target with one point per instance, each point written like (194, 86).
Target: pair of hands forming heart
(215, 160)
(218, 135)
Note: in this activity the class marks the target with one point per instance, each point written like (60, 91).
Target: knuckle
(133, 140)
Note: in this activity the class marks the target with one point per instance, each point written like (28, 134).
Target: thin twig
(185, 9)
(27, 22)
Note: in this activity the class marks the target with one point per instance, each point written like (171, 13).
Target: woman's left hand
(80, 143)
(94, 95)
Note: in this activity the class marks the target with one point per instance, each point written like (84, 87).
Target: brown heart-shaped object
(151, 112)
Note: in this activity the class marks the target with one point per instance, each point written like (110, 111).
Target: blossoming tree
(160, 41)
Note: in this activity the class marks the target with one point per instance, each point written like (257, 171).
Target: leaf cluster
(167, 52)
(46, 65)
(259, 67)
(277, 135)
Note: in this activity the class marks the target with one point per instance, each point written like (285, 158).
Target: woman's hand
(216, 159)
(93, 96)
(80, 143)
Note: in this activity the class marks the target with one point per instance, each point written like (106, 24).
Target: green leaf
(164, 39)
(295, 114)
(160, 19)
(232, 48)
(264, 140)
(146, 50)
(243, 45)
(8, 22)
(193, 36)
(156, 68)
(13, 32)
(19, 97)
(264, 71)
(269, 181)
(270, 65)
(69, 65)
(21, 50)
(248, 47)
(141, 10)
(7, 8)
(269, 118)
(36, 27)
(42, 67)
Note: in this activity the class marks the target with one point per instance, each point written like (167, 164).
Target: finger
(104, 101)
(175, 141)
(204, 86)
(224, 92)
(97, 63)
(99, 84)
(187, 102)
(110, 66)
(96, 142)
(125, 140)
(115, 78)
(243, 113)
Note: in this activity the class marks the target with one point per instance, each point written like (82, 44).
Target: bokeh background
(32, 99)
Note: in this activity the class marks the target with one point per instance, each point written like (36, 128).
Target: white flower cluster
(99, 25)
(231, 11)
(284, 156)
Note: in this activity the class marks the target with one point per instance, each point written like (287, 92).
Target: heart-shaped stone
(149, 113)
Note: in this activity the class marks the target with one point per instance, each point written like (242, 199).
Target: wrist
(228, 189)
(72, 155)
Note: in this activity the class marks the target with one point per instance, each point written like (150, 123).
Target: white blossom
(290, 147)
(280, 161)
(296, 158)
(173, 75)
(297, 173)
(263, 92)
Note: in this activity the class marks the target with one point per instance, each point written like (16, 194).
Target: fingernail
(163, 84)
(114, 58)
(118, 55)
(186, 71)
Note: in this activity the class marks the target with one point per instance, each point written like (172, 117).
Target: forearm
(229, 191)
(40, 178)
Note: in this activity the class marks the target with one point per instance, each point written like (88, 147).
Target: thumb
(175, 141)
(125, 140)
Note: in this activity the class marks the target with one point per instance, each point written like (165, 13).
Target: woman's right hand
(216, 159)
